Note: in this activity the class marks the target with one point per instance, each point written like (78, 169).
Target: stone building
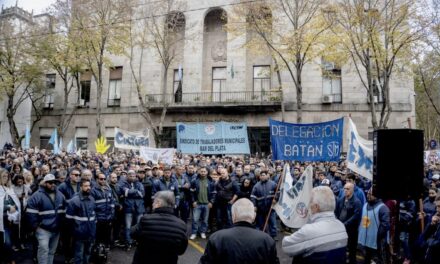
(221, 81)
(20, 19)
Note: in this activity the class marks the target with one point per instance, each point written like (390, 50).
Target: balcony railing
(215, 97)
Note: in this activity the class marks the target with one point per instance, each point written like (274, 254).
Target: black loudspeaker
(398, 163)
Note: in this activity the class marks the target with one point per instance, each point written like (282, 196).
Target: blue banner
(214, 138)
(307, 142)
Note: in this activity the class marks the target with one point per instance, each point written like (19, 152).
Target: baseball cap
(131, 172)
(49, 178)
(436, 177)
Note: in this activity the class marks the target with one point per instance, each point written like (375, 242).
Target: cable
(134, 19)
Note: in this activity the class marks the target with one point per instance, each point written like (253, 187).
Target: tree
(101, 28)
(377, 36)
(160, 31)
(295, 35)
(20, 72)
(427, 72)
(59, 48)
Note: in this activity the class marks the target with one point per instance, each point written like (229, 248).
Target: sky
(37, 5)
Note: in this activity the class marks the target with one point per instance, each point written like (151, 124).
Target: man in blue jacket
(167, 183)
(69, 188)
(105, 210)
(133, 193)
(262, 196)
(373, 230)
(81, 215)
(45, 210)
(348, 211)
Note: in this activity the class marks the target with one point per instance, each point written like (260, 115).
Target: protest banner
(214, 138)
(293, 205)
(155, 154)
(307, 142)
(360, 153)
(131, 140)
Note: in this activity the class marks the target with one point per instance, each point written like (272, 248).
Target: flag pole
(273, 199)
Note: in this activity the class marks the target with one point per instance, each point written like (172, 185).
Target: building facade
(221, 80)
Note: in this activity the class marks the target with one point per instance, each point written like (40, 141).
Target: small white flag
(293, 205)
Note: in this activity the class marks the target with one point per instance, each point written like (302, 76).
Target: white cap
(436, 177)
(48, 178)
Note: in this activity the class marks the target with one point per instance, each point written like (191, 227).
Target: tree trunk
(299, 93)
(15, 137)
(164, 85)
(98, 101)
(277, 69)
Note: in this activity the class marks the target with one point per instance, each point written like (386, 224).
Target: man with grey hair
(324, 239)
(242, 243)
(161, 235)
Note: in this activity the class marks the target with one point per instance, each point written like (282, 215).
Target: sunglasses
(51, 182)
(75, 174)
(101, 179)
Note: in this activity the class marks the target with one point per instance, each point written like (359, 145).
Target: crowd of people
(84, 205)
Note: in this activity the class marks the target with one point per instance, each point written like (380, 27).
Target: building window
(114, 90)
(218, 83)
(331, 83)
(110, 136)
(261, 81)
(377, 92)
(84, 93)
(49, 92)
(81, 135)
(45, 134)
(177, 85)
(168, 138)
(259, 140)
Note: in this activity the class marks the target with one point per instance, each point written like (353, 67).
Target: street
(192, 254)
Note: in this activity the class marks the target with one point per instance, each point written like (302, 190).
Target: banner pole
(276, 191)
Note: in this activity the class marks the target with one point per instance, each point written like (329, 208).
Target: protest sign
(214, 138)
(130, 140)
(307, 142)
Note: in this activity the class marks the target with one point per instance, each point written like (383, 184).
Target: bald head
(243, 210)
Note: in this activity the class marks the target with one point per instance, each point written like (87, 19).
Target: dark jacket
(431, 244)
(240, 244)
(263, 194)
(133, 194)
(44, 213)
(161, 237)
(195, 189)
(81, 214)
(226, 189)
(67, 190)
(352, 217)
(105, 203)
(160, 185)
